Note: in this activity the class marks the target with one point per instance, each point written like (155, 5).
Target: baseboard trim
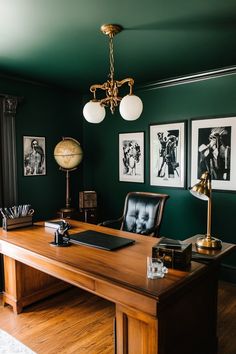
(228, 273)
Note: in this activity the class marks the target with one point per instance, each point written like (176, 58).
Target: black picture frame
(168, 154)
(213, 145)
(34, 156)
(131, 157)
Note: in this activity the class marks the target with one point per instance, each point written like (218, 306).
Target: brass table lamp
(202, 190)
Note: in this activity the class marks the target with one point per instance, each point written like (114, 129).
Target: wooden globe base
(66, 213)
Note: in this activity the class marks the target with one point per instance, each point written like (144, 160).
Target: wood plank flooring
(76, 322)
(227, 318)
(72, 322)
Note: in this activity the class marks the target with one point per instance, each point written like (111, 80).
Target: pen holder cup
(9, 224)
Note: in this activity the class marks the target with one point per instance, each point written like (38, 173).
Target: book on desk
(53, 224)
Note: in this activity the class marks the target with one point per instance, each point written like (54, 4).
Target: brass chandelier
(130, 106)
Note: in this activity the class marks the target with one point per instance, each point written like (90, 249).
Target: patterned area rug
(10, 345)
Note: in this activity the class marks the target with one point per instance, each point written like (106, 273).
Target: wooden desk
(176, 314)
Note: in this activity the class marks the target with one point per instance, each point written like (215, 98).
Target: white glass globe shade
(131, 107)
(93, 112)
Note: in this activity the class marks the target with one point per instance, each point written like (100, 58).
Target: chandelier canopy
(130, 105)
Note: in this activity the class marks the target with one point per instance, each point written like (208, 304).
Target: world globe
(68, 153)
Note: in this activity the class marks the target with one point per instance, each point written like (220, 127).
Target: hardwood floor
(227, 318)
(76, 322)
(72, 322)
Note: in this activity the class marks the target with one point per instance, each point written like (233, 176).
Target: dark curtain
(8, 167)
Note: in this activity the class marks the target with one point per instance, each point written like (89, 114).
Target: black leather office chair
(142, 213)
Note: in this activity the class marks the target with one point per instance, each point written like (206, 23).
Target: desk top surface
(125, 267)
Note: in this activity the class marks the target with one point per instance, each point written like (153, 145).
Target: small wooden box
(174, 255)
(87, 200)
(9, 224)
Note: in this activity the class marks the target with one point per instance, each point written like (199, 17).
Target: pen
(8, 214)
(2, 212)
(15, 212)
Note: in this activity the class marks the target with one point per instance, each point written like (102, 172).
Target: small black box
(175, 254)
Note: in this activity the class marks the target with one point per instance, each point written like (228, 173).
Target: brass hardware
(111, 86)
(203, 190)
(208, 242)
(111, 30)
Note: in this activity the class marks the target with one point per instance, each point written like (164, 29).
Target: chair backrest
(143, 213)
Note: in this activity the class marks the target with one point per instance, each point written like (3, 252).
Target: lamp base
(208, 242)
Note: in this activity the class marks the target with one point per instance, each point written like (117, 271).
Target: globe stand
(67, 210)
(68, 154)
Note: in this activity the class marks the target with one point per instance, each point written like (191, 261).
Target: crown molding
(181, 80)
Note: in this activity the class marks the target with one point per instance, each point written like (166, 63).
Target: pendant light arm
(111, 88)
(130, 82)
(105, 86)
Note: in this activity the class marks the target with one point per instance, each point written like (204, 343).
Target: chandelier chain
(111, 58)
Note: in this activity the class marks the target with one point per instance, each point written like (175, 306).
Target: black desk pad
(100, 240)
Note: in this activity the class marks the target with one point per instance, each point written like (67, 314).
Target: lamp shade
(93, 112)
(202, 189)
(199, 192)
(131, 107)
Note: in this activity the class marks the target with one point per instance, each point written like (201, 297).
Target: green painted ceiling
(59, 41)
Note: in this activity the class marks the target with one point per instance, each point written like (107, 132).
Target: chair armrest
(112, 223)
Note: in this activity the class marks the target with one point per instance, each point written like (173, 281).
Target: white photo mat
(167, 155)
(131, 157)
(34, 155)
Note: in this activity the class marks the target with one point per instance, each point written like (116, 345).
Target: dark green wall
(52, 113)
(184, 214)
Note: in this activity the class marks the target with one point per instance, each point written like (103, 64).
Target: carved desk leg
(12, 275)
(25, 285)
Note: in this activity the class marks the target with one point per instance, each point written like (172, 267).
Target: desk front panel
(124, 268)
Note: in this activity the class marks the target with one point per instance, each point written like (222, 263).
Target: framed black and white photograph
(34, 156)
(131, 157)
(167, 155)
(213, 145)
